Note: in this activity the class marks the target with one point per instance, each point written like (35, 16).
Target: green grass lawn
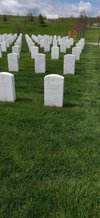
(50, 157)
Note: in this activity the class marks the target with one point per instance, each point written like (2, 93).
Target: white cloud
(85, 7)
(47, 7)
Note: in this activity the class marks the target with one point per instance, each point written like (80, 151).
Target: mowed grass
(16, 24)
(50, 157)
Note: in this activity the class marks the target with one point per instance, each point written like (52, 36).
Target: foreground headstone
(40, 63)
(69, 64)
(53, 90)
(7, 87)
(13, 63)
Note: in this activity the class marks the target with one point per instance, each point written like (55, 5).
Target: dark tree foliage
(41, 19)
(5, 18)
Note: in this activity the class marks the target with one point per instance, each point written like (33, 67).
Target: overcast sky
(64, 8)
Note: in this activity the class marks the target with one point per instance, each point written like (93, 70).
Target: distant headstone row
(56, 45)
(13, 58)
(6, 40)
(49, 44)
(53, 84)
(44, 40)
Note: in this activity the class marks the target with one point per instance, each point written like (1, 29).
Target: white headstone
(62, 48)
(40, 63)
(71, 40)
(42, 42)
(69, 64)
(80, 46)
(16, 49)
(53, 90)
(47, 47)
(0, 53)
(82, 40)
(55, 52)
(8, 43)
(34, 51)
(68, 44)
(13, 63)
(55, 42)
(3, 46)
(76, 52)
(7, 87)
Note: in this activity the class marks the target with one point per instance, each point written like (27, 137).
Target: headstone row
(13, 58)
(69, 59)
(53, 89)
(46, 42)
(6, 40)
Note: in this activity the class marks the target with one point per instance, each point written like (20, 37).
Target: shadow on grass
(24, 100)
(25, 70)
(70, 105)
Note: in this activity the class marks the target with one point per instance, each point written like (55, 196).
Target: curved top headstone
(7, 87)
(53, 90)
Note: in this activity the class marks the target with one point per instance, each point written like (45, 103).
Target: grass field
(50, 157)
(13, 24)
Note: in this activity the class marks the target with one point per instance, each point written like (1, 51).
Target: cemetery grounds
(50, 157)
